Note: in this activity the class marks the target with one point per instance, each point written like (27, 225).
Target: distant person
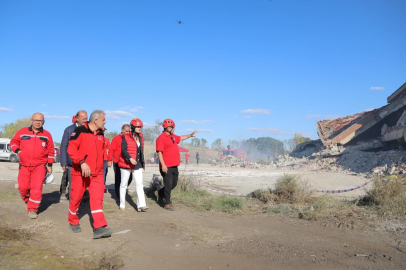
(79, 119)
(169, 160)
(187, 158)
(57, 154)
(86, 149)
(156, 159)
(197, 158)
(114, 154)
(106, 160)
(35, 147)
(131, 162)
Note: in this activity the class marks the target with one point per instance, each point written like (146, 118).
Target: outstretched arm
(185, 137)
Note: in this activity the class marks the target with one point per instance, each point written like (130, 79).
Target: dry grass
(387, 196)
(189, 193)
(19, 250)
(108, 261)
(289, 189)
(292, 197)
(187, 183)
(12, 234)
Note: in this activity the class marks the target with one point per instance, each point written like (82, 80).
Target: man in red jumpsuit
(86, 149)
(35, 148)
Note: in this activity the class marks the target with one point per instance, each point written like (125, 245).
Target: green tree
(203, 143)
(152, 132)
(9, 130)
(270, 147)
(263, 147)
(234, 144)
(195, 142)
(290, 144)
(217, 145)
(110, 135)
(300, 139)
(297, 139)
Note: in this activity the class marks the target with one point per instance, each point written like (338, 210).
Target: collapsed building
(379, 129)
(370, 142)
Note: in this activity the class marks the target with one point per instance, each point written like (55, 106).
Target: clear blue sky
(235, 69)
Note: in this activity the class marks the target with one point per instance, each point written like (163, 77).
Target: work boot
(102, 232)
(32, 214)
(75, 228)
(169, 207)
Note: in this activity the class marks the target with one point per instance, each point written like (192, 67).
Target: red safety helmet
(168, 123)
(136, 122)
(74, 119)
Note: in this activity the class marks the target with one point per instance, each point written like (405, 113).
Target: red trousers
(95, 185)
(30, 180)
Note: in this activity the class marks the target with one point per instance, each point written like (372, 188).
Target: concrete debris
(307, 148)
(358, 162)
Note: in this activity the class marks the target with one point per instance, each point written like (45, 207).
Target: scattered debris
(358, 162)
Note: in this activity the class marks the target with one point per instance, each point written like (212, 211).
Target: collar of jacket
(99, 131)
(40, 130)
(132, 134)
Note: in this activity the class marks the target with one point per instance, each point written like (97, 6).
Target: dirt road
(186, 239)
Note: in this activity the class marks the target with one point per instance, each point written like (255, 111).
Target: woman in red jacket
(132, 162)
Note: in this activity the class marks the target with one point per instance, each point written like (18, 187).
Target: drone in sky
(180, 22)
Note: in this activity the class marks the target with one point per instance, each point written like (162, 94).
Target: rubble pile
(360, 162)
(382, 162)
(307, 164)
(233, 162)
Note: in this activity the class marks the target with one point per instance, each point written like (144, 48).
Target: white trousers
(139, 187)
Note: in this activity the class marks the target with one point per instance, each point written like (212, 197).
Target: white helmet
(49, 178)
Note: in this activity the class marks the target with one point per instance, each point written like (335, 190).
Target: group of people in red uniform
(90, 153)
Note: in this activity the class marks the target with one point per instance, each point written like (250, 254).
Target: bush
(188, 183)
(265, 196)
(288, 189)
(388, 195)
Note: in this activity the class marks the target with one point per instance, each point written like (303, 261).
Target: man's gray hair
(124, 126)
(95, 115)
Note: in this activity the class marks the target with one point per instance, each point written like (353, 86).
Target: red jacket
(115, 148)
(86, 146)
(106, 153)
(132, 148)
(36, 149)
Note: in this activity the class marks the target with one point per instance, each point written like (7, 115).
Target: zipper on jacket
(35, 147)
(97, 154)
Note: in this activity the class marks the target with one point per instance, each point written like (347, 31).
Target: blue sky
(232, 69)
